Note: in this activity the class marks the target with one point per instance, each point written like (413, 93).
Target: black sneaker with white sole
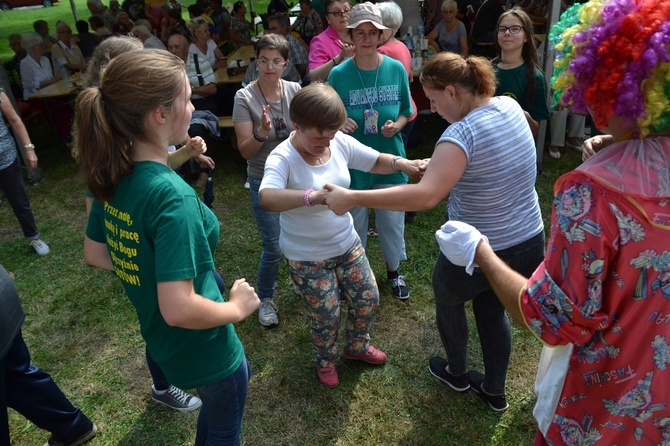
(438, 368)
(81, 439)
(176, 399)
(497, 403)
(399, 287)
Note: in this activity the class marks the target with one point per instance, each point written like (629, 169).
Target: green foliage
(82, 330)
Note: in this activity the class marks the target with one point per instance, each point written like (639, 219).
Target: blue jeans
(220, 419)
(31, 392)
(267, 223)
(11, 183)
(157, 375)
(453, 287)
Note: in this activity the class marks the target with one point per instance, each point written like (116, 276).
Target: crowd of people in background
(324, 119)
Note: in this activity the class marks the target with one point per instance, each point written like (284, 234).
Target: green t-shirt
(391, 98)
(512, 83)
(157, 230)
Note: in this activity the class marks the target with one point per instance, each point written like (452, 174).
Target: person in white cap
(375, 92)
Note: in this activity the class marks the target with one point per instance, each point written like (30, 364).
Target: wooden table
(222, 77)
(244, 54)
(57, 89)
(58, 95)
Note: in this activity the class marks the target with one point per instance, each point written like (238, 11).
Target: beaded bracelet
(305, 198)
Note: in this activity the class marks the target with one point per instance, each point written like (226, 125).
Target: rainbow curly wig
(613, 58)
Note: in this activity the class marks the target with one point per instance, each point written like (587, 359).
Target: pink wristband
(305, 197)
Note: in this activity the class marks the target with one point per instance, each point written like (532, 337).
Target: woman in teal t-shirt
(152, 230)
(517, 67)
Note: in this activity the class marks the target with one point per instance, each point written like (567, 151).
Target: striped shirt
(496, 193)
(206, 72)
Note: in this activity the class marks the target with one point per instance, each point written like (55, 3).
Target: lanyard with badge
(370, 115)
(279, 121)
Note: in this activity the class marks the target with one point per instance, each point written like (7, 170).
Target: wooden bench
(226, 122)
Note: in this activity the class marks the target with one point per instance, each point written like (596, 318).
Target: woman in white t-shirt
(36, 70)
(323, 251)
(203, 45)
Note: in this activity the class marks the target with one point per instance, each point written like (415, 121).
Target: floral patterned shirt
(601, 301)
(241, 27)
(310, 25)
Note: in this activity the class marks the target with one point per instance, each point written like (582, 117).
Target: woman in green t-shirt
(149, 227)
(517, 67)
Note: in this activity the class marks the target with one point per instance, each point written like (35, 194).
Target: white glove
(458, 242)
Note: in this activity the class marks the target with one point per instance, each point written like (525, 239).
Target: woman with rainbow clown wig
(600, 301)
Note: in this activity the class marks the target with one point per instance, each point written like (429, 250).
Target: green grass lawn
(82, 329)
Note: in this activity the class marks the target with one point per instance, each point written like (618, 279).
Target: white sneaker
(40, 247)
(267, 313)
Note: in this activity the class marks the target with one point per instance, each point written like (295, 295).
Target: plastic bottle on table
(409, 41)
(65, 75)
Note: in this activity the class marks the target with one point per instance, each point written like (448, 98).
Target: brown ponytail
(110, 117)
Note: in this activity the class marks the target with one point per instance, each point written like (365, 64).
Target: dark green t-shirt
(512, 83)
(157, 230)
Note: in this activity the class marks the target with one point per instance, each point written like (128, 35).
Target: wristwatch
(29, 146)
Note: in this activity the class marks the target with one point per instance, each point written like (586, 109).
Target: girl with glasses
(517, 67)
(261, 121)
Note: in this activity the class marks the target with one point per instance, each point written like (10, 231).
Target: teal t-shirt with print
(512, 83)
(391, 98)
(157, 230)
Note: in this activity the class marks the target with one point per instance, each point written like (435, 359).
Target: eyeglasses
(360, 34)
(340, 13)
(514, 29)
(272, 63)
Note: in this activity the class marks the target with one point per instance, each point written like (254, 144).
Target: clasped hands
(340, 200)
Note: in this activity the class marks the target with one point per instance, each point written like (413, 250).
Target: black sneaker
(497, 403)
(75, 441)
(176, 399)
(438, 368)
(399, 288)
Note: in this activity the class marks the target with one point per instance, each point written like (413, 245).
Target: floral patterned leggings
(321, 285)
